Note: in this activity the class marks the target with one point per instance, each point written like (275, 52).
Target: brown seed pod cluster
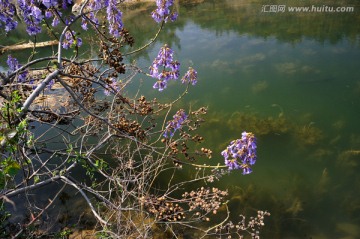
(205, 199)
(132, 128)
(100, 107)
(82, 87)
(120, 99)
(198, 119)
(176, 148)
(163, 209)
(184, 147)
(95, 125)
(126, 37)
(113, 57)
(253, 226)
(173, 147)
(143, 107)
(85, 70)
(197, 138)
(207, 152)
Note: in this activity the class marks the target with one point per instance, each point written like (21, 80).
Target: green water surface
(293, 79)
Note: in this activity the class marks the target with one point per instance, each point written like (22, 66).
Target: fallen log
(27, 46)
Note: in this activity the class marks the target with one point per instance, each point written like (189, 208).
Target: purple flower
(114, 16)
(48, 14)
(175, 124)
(71, 40)
(10, 25)
(232, 164)
(13, 64)
(111, 87)
(84, 24)
(190, 76)
(55, 21)
(66, 3)
(7, 13)
(160, 85)
(51, 83)
(162, 12)
(241, 153)
(174, 16)
(97, 4)
(33, 29)
(50, 3)
(32, 16)
(78, 42)
(36, 13)
(68, 41)
(89, 17)
(170, 69)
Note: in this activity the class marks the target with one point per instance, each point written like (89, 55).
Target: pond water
(293, 79)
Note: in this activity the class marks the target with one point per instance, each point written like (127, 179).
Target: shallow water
(294, 80)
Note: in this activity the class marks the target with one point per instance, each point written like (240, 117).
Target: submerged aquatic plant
(260, 125)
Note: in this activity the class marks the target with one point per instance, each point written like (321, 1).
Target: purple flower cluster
(169, 68)
(113, 14)
(112, 86)
(13, 64)
(162, 12)
(32, 16)
(56, 20)
(31, 13)
(50, 3)
(114, 17)
(91, 8)
(241, 153)
(7, 12)
(175, 124)
(190, 76)
(71, 40)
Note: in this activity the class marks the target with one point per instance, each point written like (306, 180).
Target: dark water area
(291, 78)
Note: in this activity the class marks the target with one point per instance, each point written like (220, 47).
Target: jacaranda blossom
(111, 87)
(7, 13)
(190, 76)
(13, 66)
(69, 40)
(162, 12)
(164, 68)
(50, 3)
(114, 17)
(241, 153)
(175, 124)
(32, 15)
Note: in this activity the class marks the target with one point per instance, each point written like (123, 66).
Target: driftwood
(27, 46)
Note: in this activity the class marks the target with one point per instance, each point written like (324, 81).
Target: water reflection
(245, 17)
(291, 79)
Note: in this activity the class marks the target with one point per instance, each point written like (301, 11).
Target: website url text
(313, 8)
